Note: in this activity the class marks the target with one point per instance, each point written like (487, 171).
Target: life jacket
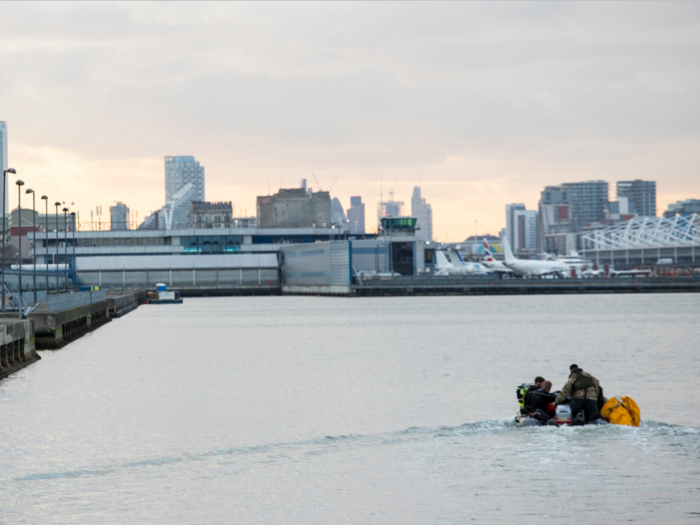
(622, 411)
(582, 382)
(522, 393)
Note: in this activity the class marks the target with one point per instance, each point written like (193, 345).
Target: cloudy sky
(482, 104)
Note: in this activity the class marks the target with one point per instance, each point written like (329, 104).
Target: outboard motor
(563, 415)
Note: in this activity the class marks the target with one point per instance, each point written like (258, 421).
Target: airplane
(528, 268)
(450, 262)
(494, 265)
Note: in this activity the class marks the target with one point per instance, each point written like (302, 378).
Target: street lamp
(20, 183)
(4, 239)
(46, 244)
(65, 243)
(75, 275)
(29, 190)
(55, 257)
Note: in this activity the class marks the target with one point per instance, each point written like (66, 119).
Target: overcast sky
(483, 104)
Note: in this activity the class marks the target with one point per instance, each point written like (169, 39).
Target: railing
(64, 301)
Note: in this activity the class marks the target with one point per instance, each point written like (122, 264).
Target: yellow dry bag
(621, 411)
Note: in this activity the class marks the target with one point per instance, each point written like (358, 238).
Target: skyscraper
(526, 231)
(588, 201)
(424, 213)
(642, 193)
(3, 163)
(180, 171)
(510, 222)
(119, 215)
(356, 215)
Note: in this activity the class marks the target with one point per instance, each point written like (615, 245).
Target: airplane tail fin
(509, 254)
(488, 256)
(441, 260)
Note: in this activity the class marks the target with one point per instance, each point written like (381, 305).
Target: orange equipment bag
(621, 411)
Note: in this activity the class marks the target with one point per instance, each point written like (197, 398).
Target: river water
(332, 410)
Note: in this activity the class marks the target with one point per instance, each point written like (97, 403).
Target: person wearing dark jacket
(582, 388)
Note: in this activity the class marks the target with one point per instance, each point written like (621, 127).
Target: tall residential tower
(180, 171)
(642, 193)
(424, 213)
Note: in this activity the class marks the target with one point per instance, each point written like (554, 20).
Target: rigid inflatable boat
(537, 409)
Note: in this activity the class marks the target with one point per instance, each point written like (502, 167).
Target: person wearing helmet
(582, 388)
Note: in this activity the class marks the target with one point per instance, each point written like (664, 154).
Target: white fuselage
(528, 268)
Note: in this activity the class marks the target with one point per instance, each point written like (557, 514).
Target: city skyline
(92, 124)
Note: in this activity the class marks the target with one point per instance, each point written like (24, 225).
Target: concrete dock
(458, 285)
(17, 346)
(57, 322)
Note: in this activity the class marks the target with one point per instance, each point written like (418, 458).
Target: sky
(481, 104)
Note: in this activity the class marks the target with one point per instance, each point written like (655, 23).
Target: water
(330, 410)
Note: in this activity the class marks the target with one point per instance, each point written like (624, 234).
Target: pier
(58, 321)
(457, 285)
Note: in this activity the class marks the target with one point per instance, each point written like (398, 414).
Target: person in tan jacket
(582, 388)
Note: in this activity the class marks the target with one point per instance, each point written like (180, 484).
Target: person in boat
(539, 382)
(541, 402)
(583, 389)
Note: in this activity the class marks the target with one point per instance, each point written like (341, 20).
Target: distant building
(424, 213)
(558, 230)
(510, 221)
(293, 208)
(686, 207)
(526, 230)
(588, 201)
(182, 170)
(175, 215)
(621, 210)
(151, 222)
(338, 215)
(356, 215)
(211, 214)
(641, 193)
(3, 164)
(119, 215)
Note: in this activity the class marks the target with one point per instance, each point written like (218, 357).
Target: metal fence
(64, 301)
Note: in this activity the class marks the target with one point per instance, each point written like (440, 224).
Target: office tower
(557, 230)
(119, 215)
(3, 164)
(338, 214)
(526, 231)
(182, 170)
(510, 222)
(641, 193)
(588, 201)
(422, 211)
(356, 215)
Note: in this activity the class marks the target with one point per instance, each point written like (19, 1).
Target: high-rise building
(510, 222)
(526, 230)
(119, 215)
(558, 231)
(182, 170)
(338, 215)
(422, 211)
(3, 164)
(175, 215)
(588, 201)
(356, 215)
(641, 193)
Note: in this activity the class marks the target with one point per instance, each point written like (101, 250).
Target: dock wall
(17, 345)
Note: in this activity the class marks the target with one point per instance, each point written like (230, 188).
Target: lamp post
(20, 183)
(29, 190)
(65, 243)
(75, 275)
(4, 240)
(46, 245)
(55, 257)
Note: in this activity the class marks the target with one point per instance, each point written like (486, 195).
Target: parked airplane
(494, 265)
(450, 262)
(528, 268)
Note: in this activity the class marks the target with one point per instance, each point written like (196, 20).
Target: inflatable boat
(537, 409)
